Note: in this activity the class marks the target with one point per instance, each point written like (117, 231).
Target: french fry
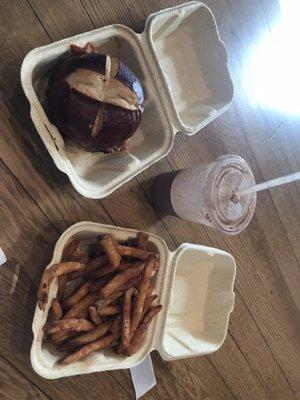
(95, 249)
(90, 266)
(67, 267)
(110, 250)
(80, 254)
(69, 250)
(119, 280)
(44, 287)
(68, 325)
(62, 284)
(141, 330)
(56, 309)
(131, 283)
(112, 297)
(149, 290)
(99, 283)
(96, 263)
(113, 345)
(108, 268)
(90, 336)
(140, 299)
(132, 252)
(126, 311)
(77, 295)
(116, 325)
(155, 267)
(148, 301)
(75, 251)
(142, 240)
(89, 348)
(102, 271)
(80, 309)
(61, 336)
(109, 310)
(75, 275)
(95, 317)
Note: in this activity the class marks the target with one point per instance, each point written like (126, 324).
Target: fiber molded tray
(195, 286)
(182, 65)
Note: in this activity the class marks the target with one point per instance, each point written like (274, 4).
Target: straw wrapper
(143, 377)
(3, 258)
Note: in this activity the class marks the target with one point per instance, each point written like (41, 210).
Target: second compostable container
(194, 284)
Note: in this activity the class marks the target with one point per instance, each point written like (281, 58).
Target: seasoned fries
(62, 284)
(110, 310)
(110, 250)
(143, 287)
(56, 309)
(95, 317)
(84, 351)
(119, 280)
(114, 296)
(90, 336)
(116, 324)
(126, 312)
(142, 329)
(69, 250)
(69, 325)
(115, 310)
(131, 283)
(44, 287)
(80, 309)
(77, 295)
(132, 252)
(97, 263)
(67, 267)
(142, 240)
(108, 268)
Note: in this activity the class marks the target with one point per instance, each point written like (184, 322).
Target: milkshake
(208, 194)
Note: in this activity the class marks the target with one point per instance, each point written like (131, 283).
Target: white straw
(272, 183)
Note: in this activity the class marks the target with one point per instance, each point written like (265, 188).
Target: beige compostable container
(195, 286)
(182, 65)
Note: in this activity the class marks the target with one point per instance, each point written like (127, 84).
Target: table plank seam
(265, 339)
(250, 367)
(258, 328)
(87, 13)
(28, 194)
(24, 376)
(221, 377)
(37, 17)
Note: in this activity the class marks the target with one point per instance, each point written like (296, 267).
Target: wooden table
(260, 356)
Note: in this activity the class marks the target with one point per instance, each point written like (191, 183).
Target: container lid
(200, 298)
(192, 64)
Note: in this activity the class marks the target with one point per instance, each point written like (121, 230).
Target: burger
(95, 100)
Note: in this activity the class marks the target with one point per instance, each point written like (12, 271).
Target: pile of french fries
(111, 307)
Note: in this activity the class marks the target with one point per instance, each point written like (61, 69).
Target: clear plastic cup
(207, 194)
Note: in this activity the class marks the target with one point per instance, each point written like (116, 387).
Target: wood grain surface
(261, 354)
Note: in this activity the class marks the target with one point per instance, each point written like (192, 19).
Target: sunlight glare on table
(274, 65)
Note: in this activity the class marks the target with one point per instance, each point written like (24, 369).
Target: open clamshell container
(195, 286)
(182, 65)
